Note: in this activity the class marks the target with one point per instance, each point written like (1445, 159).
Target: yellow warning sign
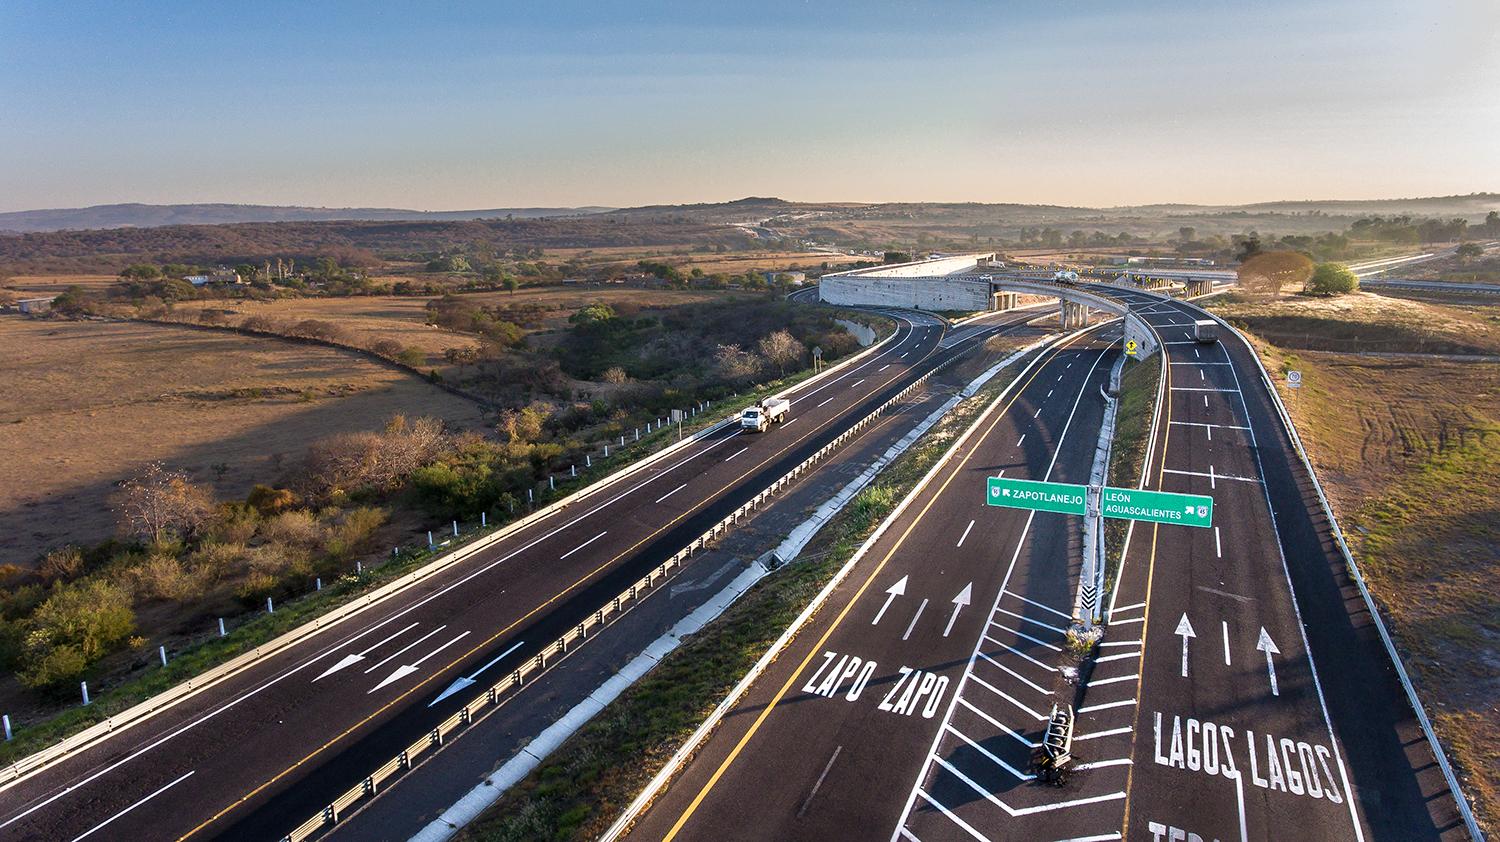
(1131, 347)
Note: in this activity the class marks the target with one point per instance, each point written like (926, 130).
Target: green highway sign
(1157, 506)
(1041, 496)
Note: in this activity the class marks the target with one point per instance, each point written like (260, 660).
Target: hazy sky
(629, 102)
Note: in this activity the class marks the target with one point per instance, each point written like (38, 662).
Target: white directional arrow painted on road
(1268, 646)
(407, 669)
(468, 680)
(892, 592)
(1185, 629)
(350, 660)
(963, 598)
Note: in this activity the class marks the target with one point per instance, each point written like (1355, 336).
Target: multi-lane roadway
(1240, 691)
(256, 754)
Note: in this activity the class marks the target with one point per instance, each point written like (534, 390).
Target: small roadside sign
(678, 416)
(817, 352)
(1132, 347)
(1041, 496)
(1294, 379)
(1157, 506)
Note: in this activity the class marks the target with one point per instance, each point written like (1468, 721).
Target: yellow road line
(555, 597)
(817, 647)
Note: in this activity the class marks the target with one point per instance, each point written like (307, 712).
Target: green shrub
(1332, 279)
(78, 624)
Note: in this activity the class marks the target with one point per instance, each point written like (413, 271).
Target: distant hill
(152, 216)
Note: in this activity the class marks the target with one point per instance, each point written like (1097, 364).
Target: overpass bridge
(970, 283)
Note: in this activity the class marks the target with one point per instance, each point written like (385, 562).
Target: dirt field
(53, 284)
(1407, 449)
(87, 403)
(367, 318)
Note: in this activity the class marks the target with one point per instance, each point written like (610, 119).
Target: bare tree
(158, 504)
(734, 364)
(781, 349)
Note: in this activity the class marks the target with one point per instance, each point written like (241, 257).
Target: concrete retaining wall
(919, 293)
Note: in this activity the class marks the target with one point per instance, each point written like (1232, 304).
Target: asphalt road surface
(1240, 691)
(921, 644)
(255, 755)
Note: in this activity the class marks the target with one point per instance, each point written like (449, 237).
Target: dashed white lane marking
(736, 453)
(803, 809)
(1225, 624)
(1199, 389)
(394, 654)
(670, 493)
(1021, 439)
(100, 826)
(986, 752)
(1037, 413)
(1106, 706)
(1049, 393)
(903, 356)
(1218, 548)
(883, 368)
(1110, 733)
(830, 399)
(857, 382)
(1103, 837)
(965, 535)
(584, 544)
(914, 618)
(789, 423)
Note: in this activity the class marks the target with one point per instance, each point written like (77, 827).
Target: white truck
(1065, 276)
(1205, 330)
(761, 416)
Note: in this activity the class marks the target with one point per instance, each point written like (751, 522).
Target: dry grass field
(367, 319)
(87, 403)
(53, 284)
(1408, 448)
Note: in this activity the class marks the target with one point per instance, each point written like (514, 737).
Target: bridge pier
(1003, 301)
(1072, 315)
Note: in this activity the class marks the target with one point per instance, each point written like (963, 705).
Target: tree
(735, 365)
(140, 272)
(78, 624)
(510, 283)
(1186, 234)
(1268, 273)
(1468, 251)
(1246, 246)
(1492, 223)
(157, 504)
(592, 314)
(614, 374)
(781, 349)
(1332, 279)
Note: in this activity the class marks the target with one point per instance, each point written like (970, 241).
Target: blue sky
(461, 105)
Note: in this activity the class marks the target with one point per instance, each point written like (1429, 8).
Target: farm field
(366, 319)
(87, 403)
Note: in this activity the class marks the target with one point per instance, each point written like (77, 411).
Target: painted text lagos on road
(1123, 503)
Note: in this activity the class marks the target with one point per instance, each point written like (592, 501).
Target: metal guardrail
(43, 758)
(559, 648)
(1465, 811)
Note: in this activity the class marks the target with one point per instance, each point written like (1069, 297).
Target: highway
(922, 642)
(1240, 691)
(259, 752)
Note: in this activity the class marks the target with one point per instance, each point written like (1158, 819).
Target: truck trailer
(1205, 330)
(761, 416)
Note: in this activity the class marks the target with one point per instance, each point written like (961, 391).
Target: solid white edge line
(106, 822)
